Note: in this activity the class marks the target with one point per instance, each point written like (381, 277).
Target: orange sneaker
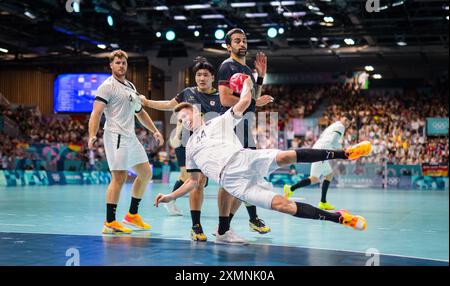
(115, 227)
(355, 221)
(135, 221)
(359, 150)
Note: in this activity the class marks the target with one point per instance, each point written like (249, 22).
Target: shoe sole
(201, 240)
(260, 232)
(111, 231)
(135, 226)
(231, 243)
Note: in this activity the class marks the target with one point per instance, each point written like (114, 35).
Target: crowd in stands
(70, 130)
(393, 120)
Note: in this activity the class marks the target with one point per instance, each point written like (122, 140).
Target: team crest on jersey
(212, 103)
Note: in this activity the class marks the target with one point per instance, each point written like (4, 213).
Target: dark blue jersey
(209, 103)
(227, 69)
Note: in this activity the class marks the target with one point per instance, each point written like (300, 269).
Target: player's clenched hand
(160, 198)
(158, 137)
(263, 100)
(91, 142)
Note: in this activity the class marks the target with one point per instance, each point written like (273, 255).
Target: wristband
(260, 80)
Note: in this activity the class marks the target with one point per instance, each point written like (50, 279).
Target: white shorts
(243, 177)
(321, 168)
(122, 152)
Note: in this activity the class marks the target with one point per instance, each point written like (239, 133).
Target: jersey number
(202, 135)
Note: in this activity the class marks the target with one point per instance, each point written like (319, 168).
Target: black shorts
(180, 152)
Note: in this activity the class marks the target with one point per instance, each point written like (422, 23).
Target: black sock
(301, 184)
(231, 217)
(252, 212)
(111, 212)
(195, 216)
(134, 206)
(310, 212)
(325, 186)
(224, 224)
(306, 155)
(178, 184)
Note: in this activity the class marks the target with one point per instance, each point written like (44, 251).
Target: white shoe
(238, 238)
(172, 209)
(229, 237)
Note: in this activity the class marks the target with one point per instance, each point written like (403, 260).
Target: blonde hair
(117, 54)
(182, 106)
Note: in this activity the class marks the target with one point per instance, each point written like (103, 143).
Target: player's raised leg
(302, 210)
(306, 155)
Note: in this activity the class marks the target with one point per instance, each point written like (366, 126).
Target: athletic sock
(301, 184)
(134, 206)
(195, 216)
(325, 186)
(224, 224)
(252, 212)
(111, 212)
(310, 212)
(307, 155)
(178, 184)
(231, 217)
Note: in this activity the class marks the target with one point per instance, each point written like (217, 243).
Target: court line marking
(258, 244)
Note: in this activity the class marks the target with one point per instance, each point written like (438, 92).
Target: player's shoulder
(187, 90)
(226, 64)
(107, 84)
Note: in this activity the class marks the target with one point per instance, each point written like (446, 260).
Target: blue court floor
(44, 225)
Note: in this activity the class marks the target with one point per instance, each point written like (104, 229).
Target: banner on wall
(435, 170)
(437, 126)
(45, 178)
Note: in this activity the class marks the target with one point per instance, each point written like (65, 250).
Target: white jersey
(213, 145)
(122, 101)
(331, 137)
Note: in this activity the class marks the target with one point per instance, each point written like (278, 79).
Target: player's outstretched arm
(94, 122)
(163, 105)
(192, 183)
(245, 99)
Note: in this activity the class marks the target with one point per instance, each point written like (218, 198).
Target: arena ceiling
(318, 34)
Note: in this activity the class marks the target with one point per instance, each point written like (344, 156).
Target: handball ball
(237, 82)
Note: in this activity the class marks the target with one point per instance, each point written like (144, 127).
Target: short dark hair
(232, 32)
(202, 63)
(182, 106)
(348, 116)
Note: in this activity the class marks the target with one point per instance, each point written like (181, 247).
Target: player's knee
(120, 177)
(283, 205)
(283, 158)
(314, 180)
(329, 177)
(145, 176)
